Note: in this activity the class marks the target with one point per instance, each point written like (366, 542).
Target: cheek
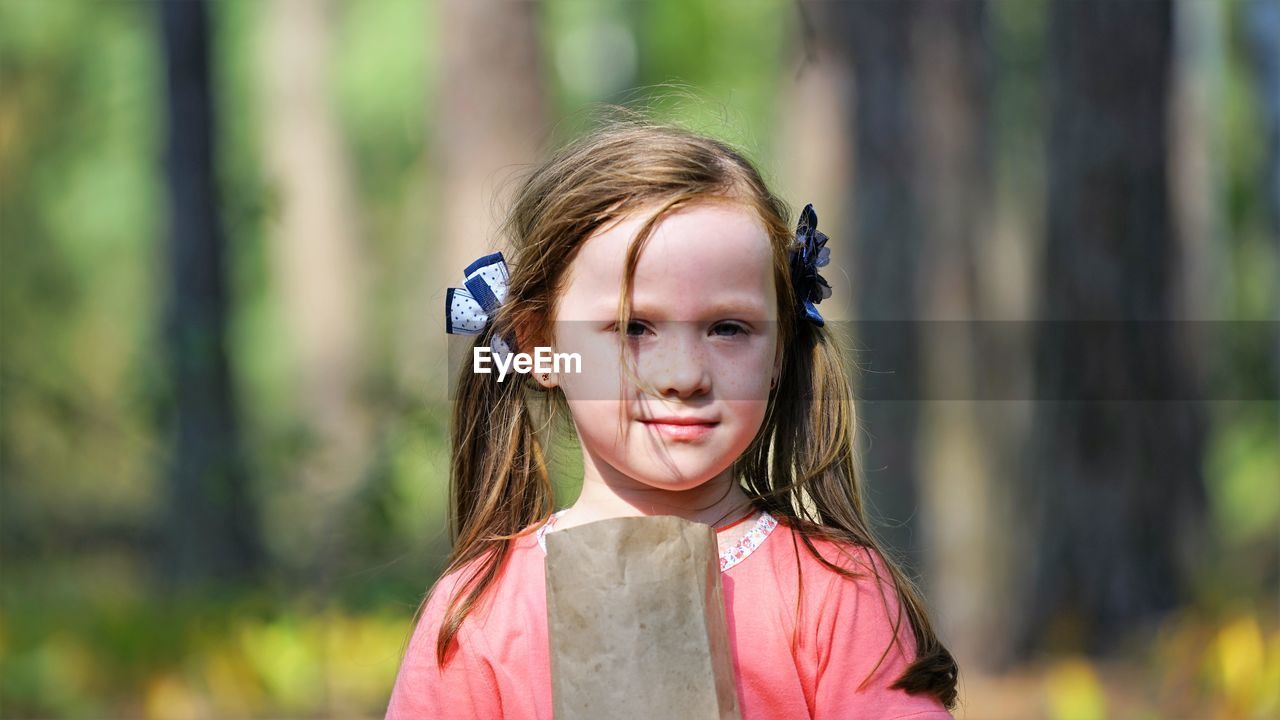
(600, 420)
(744, 380)
(743, 374)
(599, 376)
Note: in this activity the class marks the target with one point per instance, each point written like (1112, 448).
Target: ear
(548, 381)
(527, 339)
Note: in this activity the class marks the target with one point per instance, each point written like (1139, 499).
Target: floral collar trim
(729, 556)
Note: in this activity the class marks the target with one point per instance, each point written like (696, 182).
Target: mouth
(682, 429)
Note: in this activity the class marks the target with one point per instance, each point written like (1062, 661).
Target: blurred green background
(226, 229)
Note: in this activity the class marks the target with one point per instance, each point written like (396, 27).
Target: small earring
(773, 382)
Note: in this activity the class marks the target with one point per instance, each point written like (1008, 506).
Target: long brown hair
(801, 467)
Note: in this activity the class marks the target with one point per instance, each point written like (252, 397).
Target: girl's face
(703, 334)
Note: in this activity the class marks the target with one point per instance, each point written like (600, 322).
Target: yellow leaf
(1074, 691)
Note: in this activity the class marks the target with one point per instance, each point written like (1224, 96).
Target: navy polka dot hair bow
(809, 254)
(469, 310)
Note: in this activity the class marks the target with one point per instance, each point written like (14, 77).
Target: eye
(733, 329)
(635, 328)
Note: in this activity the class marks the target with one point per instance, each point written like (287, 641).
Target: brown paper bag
(636, 619)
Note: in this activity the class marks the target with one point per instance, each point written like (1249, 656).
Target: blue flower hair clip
(809, 254)
(469, 310)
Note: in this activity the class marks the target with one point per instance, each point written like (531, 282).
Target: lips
(682, 428)
(681, 420)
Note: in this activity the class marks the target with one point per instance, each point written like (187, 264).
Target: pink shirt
(501, 668)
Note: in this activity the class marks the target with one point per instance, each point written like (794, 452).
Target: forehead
(708, 255)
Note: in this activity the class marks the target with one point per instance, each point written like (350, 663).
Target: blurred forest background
(226, 229)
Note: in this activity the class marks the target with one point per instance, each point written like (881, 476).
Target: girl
(709, 389)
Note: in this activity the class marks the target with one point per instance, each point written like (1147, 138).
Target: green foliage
(241, 658)
(385, 76)
(80, 214)
(1243, 465)
(712, 65)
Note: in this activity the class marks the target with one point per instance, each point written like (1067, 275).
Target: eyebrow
(744, 305)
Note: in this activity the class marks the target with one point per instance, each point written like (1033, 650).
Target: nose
(680, 368)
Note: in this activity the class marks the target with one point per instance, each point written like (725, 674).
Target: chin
(677, 475)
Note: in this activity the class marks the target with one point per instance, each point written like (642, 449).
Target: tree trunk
(814, 146)
(961, 487)
(210, 523)
(492, 119)
(887, 239)
(320, 278)
(1115, 497)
